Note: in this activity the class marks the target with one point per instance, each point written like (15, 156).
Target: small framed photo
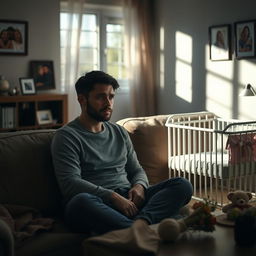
(27, 86)
(13, 37)
(220, 42)
(44, 116)
(245, 39)
(43, 74)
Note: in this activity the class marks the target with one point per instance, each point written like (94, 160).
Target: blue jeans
(87, 213)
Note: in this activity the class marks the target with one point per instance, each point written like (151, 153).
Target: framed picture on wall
(43, 73)
(245, 39)
(220, 42)
(13, 37)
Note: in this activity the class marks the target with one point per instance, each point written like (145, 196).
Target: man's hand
(137, 195)
(125, 206)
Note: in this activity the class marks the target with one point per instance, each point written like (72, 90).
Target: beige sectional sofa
(27, 179)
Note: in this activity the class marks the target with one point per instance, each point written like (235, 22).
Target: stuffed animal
(239, 202)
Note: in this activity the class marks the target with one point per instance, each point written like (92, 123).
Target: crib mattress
(206, 164)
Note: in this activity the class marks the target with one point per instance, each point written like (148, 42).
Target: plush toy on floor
(239, 202)
(201, 219)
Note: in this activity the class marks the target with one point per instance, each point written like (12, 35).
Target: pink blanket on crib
(241, 148)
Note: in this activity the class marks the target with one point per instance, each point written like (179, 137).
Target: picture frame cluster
(220, 41)
(42, 77)
(14, 41)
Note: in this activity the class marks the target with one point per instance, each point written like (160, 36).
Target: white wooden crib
(216, 155)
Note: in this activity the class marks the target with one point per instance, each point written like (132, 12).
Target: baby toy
(201, 219)
(239, 202)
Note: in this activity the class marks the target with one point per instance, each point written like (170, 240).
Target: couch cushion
(149, 137)
(26, 171)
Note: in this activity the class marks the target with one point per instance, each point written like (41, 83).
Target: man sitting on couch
(103, 185)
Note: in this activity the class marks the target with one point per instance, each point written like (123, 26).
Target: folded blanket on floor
(23, 221)
(139, 239)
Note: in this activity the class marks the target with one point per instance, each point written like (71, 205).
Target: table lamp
(248, 91)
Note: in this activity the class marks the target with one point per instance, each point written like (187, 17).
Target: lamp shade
(248, 91)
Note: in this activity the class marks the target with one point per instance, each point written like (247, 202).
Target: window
(89, 47)
(100, 42)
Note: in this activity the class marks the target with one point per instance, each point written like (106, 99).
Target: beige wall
(187, 80)
(43, 44)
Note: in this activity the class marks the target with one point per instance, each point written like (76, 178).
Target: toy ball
(169, 230)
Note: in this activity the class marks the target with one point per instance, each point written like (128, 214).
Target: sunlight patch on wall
(183, 70)
(220, 68)
(162, 58)
(183, 81)
(247, 106)
(219, 96)
(246, 73)
(183, 47)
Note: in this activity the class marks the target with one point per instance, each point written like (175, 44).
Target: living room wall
(43, 43)
(186, 79)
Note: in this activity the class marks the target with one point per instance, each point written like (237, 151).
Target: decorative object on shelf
(201, 219)
(14, 91)
(220, 42)
(4, 85)
(43, 74)
(44, 117)
(13, 37)
(245, 39)
(27, 86)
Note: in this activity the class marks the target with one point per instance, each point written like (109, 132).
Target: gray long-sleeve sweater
(95, 163)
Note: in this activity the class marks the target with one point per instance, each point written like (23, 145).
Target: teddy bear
(239, 202)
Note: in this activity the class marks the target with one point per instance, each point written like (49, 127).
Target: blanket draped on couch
(23, 221)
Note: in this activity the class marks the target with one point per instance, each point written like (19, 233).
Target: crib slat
(210, 166)
(194, 161)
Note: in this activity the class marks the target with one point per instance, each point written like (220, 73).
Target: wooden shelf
(19, 112)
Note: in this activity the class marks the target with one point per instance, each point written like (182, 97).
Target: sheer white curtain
(73, 20)
(139, 56)
(138, 52)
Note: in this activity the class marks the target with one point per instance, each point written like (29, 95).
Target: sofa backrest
(26, 171)
(150, 140)
(27, 174)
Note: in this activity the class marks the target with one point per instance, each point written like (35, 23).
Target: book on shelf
(7, 117)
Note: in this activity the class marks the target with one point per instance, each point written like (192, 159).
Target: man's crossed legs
(86, 212)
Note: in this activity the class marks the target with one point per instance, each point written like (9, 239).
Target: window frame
(104, 15)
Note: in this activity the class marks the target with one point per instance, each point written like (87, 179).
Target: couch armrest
(6, 239)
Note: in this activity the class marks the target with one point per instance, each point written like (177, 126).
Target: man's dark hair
(86, 83)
